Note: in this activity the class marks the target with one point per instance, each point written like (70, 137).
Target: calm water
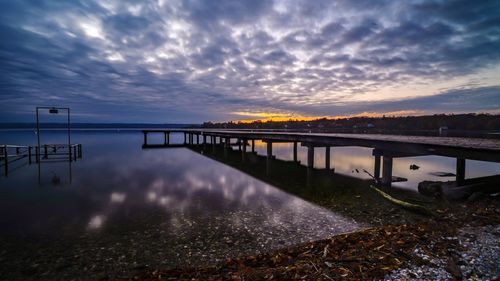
(121, 208)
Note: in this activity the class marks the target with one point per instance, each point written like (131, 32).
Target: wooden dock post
(239, 144)
(376, 169)
(253, 146)
(244, 151)
(269, 157)
(460, 178)
(295, 152)
(79, 151)
(387, 171)
(45, 151)
(310, 156)
(184, 137)
(165, 138)
(29, 154)
(327, 157)
(269, 149)
(145, 138)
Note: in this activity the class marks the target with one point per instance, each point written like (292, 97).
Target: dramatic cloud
(192, 61)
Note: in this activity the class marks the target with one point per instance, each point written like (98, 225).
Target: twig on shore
(410, 206)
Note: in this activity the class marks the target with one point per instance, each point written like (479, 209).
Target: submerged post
(460, 171)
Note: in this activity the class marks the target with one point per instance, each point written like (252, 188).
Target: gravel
(476, 257)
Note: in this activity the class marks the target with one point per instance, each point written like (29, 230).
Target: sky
(173, 61)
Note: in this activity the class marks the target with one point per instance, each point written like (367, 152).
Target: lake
(122, 208)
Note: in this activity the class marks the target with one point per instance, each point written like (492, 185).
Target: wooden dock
(385, 147)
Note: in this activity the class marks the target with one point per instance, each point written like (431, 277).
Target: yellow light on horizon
(282, 117)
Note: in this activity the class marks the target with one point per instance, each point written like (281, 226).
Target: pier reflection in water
(345, 160)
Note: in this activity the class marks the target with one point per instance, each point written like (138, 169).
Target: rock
(475, 196)
(442, 174)
(414, 167)
(430, 188)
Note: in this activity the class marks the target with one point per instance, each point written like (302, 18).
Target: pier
(46, 152)
(385, 147)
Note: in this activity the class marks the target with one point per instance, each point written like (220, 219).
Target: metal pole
(38, 136)
(69, 134)
(6, 160)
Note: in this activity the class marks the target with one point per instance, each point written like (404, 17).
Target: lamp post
(52, 110)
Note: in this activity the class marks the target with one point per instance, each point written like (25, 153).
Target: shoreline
(429, 249)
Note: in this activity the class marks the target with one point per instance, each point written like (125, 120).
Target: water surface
(122, 208)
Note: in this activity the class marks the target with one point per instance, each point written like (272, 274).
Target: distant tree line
(458, 122)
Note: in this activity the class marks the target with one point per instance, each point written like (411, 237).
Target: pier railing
(47, 152)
